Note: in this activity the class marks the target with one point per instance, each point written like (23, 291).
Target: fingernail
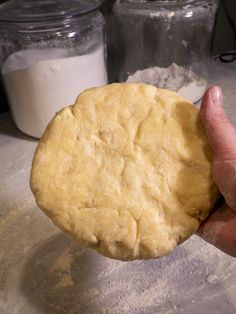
(216, 95)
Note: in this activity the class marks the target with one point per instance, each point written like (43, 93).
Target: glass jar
(165, 43)
(50, 51)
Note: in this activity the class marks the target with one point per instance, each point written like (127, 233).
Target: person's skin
(220, 227)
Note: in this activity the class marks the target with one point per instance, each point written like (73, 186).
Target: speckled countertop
(43, 271)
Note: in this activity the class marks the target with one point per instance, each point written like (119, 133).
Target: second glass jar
(165, 43)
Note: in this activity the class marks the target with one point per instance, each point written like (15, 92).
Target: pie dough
(126, 170)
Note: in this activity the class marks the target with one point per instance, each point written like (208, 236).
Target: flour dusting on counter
(88, 282)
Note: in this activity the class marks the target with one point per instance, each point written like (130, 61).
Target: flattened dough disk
(126, 170)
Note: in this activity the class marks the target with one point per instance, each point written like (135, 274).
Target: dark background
(224, 39)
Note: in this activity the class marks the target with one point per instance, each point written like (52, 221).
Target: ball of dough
(126, 170)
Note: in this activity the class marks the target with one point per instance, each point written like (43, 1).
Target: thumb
(222, 137)
(221, 134)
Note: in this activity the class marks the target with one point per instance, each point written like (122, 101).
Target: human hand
(220, 227)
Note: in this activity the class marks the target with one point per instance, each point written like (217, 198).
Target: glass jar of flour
(50, 51)
(165, 43)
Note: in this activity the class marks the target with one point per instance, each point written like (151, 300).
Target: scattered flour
(176, 78)
(75, 280)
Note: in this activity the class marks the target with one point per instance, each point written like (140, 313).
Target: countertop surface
(43, 271)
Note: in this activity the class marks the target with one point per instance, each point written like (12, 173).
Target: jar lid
(17, 11)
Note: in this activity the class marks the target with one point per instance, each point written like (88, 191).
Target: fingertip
(211, 101)
(221, 134)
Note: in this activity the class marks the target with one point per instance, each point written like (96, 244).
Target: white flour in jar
(176, 78)
(40, 82)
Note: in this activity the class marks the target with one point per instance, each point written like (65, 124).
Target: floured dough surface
(126, 170)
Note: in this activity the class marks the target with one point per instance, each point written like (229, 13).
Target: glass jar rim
(149, 3)
(162, 7)
(29, 11)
